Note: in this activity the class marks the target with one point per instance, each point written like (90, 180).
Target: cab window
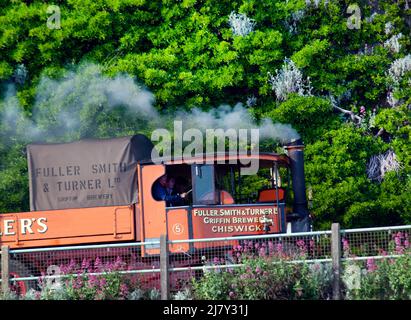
(204, 191)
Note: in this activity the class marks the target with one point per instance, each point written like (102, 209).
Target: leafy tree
(187, 55)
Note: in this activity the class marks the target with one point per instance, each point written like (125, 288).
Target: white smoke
(82, 98)
(14, 122)
(238, 117)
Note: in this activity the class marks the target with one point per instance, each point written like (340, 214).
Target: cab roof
(219, 156)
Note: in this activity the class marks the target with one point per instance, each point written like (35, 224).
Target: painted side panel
(154, 212)
(178, 228)
(67, 227)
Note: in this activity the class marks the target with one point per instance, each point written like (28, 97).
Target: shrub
(266, 273)
(386, 279)
(92, 280)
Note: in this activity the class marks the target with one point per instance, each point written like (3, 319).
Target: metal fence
(170, 265)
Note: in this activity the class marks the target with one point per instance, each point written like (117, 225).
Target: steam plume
(77, 104)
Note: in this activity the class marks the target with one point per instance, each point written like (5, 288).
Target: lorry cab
(220, 201)
(106, 195)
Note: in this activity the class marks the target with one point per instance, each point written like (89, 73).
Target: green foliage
(187, 55)
(310, 116)
(388, 278)
(262, 278)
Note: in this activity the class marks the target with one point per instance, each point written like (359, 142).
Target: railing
(152, 264)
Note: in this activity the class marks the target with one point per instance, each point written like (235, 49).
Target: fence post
(336, 260)
(164, 264)
(5, 263)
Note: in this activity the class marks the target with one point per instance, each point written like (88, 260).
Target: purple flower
(362, 110)
(231, 294)
(258, 270)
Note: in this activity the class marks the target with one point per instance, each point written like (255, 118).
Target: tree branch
(353, 116)
(379, 133)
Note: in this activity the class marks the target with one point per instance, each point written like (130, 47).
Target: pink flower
(279, 247)
(78, 283)
(231, 294)
(301, 245)
(258, 270)
(398, 243)
(123, 290)
(311, 244)
(346, 246)
(98, 266)
(118, 264)
(85, 264)
(103, 282)
(397, 238)
(270, 247)
(93, 281)
(371, 266)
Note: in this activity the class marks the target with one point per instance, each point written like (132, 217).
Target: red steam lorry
(100, 191)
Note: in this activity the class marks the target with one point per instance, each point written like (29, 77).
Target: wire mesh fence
(140, 264)
(358, 244)
(226, 253)
(84, 266)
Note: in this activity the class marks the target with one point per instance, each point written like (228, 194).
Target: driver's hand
(183, 195)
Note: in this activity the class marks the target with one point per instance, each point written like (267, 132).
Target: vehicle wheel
(19, 270)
